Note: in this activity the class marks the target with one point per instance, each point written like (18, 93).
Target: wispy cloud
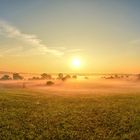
(34, 44)
(135, 42)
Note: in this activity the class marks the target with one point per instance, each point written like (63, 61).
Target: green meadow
(27, 114)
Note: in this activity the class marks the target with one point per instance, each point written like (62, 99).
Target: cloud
(135, 42)
(31, 44)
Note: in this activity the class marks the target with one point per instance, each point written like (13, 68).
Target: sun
(76, 62)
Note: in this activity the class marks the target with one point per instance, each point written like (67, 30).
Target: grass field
(69, 115)
(70, 111)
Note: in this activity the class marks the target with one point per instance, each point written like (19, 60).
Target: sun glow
(76, 62)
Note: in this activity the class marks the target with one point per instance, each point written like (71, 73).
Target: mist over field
(91, 82)
(82, 107)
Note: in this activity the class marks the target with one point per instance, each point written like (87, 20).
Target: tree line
(43, 76)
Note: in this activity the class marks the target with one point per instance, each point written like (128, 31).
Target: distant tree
(17, 76)
(46, 76)
(68, 76)
(35, 78)
(74, 76)
(60, 76)
(6, 77)
(116, 76)
(109, 77)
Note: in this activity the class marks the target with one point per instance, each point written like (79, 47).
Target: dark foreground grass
(29, 115)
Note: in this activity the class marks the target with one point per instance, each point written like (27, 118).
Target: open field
(74, 110)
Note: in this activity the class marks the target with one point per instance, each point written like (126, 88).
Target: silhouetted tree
(6, 77)
(46, 76)
(17, 76)
(116, 76)
(66, 77)
(60, 76)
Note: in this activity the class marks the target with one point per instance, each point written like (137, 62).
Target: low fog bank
(95, 83)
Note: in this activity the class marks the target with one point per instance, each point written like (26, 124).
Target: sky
(45, 35)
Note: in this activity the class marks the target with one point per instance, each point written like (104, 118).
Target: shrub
(49, 83)
(64, 79)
